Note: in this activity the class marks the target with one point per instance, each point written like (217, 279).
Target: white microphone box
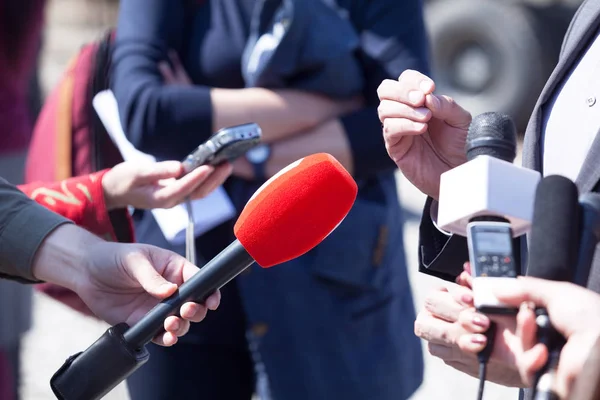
(487, 186)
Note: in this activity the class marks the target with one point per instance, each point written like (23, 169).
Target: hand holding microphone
(288, 216)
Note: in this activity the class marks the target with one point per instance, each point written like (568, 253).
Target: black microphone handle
(215, 274)
(554, 341)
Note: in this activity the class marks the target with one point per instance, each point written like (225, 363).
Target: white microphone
(489, 200)
(489, 184)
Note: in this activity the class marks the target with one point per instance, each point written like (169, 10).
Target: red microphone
(287, 216)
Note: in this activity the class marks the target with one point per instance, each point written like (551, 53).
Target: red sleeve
(81, 199)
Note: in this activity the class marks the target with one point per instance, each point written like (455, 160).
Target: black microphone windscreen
(493, 134)
(554, 238)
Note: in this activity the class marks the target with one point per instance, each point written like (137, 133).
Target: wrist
(62, 257)
(111, 200)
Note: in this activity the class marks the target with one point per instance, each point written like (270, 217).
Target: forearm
(328, 137)
(279, 113)
(81, 199)
(23, 227)
(61, 258)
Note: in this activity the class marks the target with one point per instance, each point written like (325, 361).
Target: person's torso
(216, 35)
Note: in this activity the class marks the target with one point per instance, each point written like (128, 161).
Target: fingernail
(426, 86)
(467, 298)
(415, 96)
(211, 303)
(433, 102)
(421, 112)
(478, 339)
(480, 321)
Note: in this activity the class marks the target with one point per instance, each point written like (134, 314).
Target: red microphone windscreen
(296, 209)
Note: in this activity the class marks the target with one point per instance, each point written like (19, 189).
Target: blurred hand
(573, 311)
(119, 282)
(156, 185)
(424, 133)
(174, 73)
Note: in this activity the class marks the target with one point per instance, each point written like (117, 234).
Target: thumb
(448, 110)
(149, 278)
(514, 292)
(154, 172)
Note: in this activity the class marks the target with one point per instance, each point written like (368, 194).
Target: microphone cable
(484, 356)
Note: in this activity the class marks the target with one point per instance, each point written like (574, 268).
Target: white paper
(208, 212)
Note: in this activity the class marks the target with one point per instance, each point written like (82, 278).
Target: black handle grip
(91, 374)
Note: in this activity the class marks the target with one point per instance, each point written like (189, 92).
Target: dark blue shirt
(170, 121)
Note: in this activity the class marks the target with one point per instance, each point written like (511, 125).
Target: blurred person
(335, 322)
(20, 34)
(425, 135)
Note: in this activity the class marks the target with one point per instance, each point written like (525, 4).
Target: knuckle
(430, 304)
(445, 336)
(387, 129)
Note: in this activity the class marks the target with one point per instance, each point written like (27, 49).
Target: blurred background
(493, 55)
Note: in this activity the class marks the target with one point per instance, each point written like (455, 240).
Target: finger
(177, 65)
(410, 88)
(396, 128)
(176, 326)
(467, 268)
(394, 109)
(514, 292)
(472, 343)
(473, 322)
(447, 110)
(214, 180)
(465, 279)
(462, 295)
(435, 330)
(166, 72)
(152, 173)
(213, 301)
(442, 305)
(193, 312)
(532, 361)
(148, 277)
(175, 192)
(447, 305)
(165, 339)
(526, 329)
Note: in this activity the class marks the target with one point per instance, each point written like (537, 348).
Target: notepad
(208, 212)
